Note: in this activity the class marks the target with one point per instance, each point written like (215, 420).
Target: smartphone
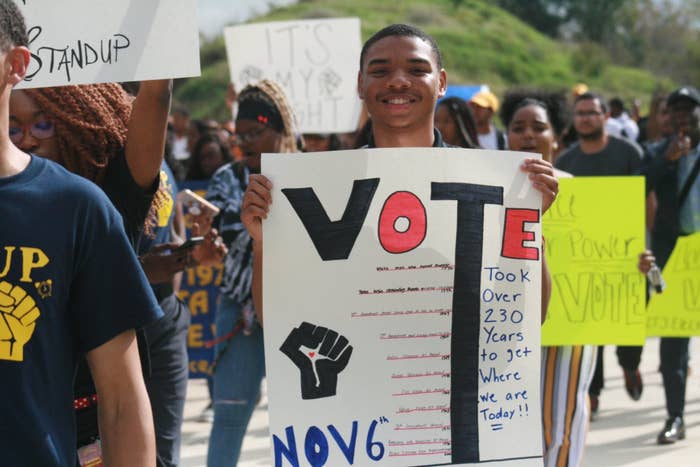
(189, 244)
(196, 204)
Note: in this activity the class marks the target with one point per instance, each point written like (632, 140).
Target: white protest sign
(99, 41)
(315, 61)
(402, 308)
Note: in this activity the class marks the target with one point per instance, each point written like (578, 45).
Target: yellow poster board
(594, 233)
(676, 311)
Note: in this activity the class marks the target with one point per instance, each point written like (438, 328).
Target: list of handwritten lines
(419, 379)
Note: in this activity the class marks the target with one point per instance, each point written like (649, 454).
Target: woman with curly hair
(101, 133)
(117, 141)
(264, 124)
(534, 120)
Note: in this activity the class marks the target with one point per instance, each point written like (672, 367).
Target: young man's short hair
(589, 96)
(401, 30)
(12, 28)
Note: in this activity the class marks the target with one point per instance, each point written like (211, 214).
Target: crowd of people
(97, 290)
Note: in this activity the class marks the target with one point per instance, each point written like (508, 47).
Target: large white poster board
(99, 41)
(402, 308)
(315, 61)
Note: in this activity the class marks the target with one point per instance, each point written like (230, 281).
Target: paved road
(624, 433)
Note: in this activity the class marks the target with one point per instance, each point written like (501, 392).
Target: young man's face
(589, 119)
(400, 82)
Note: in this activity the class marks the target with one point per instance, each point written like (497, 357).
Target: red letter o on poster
(406, 205)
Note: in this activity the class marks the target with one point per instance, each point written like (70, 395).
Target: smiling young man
(57, 301)
(400, 80)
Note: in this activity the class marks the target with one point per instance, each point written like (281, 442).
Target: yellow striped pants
(567, 372)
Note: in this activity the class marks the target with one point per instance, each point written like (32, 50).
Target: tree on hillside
(593, 19)
(547, 16)
(662, 36)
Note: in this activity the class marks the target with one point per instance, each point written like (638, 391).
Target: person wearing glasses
(597, 153)
(264, 124)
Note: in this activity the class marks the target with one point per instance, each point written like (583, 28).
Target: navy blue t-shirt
(69, 282)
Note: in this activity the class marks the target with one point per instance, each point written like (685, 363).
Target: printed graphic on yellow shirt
(18, 315)
(167, 208)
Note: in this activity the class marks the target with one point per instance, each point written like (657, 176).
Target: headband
(257, 106)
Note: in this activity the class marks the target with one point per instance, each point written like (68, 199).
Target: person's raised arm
(541, 174)
(124, 412)
(145, 143)
(256, 205)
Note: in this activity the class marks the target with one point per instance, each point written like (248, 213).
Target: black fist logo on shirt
(18, 315)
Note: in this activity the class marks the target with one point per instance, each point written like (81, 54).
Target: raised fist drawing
(319, 367)
(18, 315)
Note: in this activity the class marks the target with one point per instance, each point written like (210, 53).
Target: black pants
(166, 376)
(627, 356)
(674, 370)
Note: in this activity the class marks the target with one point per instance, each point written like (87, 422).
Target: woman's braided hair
(275, 93)
(91, 129)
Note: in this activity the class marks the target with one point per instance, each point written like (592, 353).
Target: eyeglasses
(590, 113)
(249, 137)
(39, 130)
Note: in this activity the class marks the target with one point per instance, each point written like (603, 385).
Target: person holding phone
(671, 170)
(264, 123)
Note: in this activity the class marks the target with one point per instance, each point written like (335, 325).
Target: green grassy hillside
(480, 43)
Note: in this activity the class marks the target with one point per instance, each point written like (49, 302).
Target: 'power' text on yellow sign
(594, 234)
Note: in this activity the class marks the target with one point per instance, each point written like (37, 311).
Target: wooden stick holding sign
(402, 308)
(98, 41)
